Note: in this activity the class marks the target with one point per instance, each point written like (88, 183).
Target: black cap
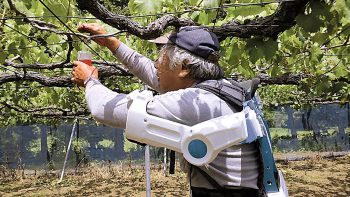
(196, 40)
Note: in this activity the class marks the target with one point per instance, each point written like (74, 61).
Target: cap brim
(161, 40)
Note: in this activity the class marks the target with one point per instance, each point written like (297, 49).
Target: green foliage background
(317, 46)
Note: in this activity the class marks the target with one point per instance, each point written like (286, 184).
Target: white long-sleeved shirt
(234, 167)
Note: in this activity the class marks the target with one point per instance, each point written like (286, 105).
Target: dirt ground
(317, 176)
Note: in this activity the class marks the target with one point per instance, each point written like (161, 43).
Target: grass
(312, 177)
(279, 132)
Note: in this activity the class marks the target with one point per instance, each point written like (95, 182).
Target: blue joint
(197, 149)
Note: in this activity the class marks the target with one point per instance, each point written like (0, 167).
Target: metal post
(172, 162)
(77, 154)
(147, 166)
(148, 171)
(67, 151)
(165, 163)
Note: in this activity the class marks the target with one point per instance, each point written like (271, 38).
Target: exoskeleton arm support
(199, 144)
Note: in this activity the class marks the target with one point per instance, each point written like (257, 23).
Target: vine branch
(269, 26)
(46, 111)
(60, 81)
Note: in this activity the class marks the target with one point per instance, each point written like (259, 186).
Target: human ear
(184, 69)
(184, 72)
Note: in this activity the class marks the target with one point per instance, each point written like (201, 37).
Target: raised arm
(110, 42)
(106, 106)
(139, 65)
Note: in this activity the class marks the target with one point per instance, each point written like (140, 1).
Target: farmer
(189, 57)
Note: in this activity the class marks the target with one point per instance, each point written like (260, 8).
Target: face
(168, 78)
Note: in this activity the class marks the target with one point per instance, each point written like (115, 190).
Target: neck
(189, 83)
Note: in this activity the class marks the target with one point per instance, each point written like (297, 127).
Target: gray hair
(200, 69)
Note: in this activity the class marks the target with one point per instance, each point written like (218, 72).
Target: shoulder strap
(250, 86)
(232, 93)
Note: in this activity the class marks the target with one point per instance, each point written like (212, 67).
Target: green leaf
(309, 23)
(269, 47)
(20, 5)
(195, 16)
(342, 72)
(37, 8)
(316, 55)
(245, 69)
(320, 37)
(53, 38)
(312, 21)
(244, 11)
(258, 48)
(43, 58)
(234, 54)
(194, 2)
(145, 6)
(211, 15)
(203, 18)
(210, 3)
(275, 70)
(3, 57)
(58, 8)
(343, 9)
(13, 47)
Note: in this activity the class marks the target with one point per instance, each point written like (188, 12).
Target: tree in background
(299, 49)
